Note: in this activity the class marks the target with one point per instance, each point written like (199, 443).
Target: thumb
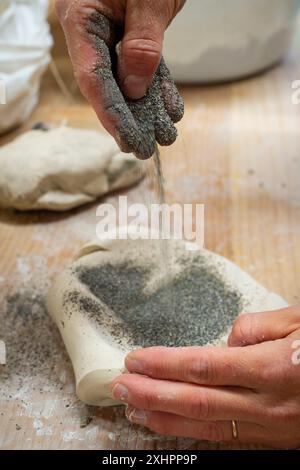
(141, 47)
(254, 328)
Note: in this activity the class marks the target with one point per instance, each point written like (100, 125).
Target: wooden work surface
(238, 152)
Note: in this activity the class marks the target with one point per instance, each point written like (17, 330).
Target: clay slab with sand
(118, 295)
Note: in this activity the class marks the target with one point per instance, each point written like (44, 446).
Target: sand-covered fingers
(165, 131)
(188, 400)
(173, 102)
(94, 30)
(91, 37)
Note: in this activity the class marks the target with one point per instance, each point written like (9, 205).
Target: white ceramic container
(217, 40)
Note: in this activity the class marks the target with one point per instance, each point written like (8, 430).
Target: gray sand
(204, 306)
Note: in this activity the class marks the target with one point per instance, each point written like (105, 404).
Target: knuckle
(213, 432)
(269, 376)
(271, 415)
(199, 407)
(142, 54)
(202, 371)
(278, 375)
(241, 329)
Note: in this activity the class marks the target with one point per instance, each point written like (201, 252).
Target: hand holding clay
(117, 296)
(129, 86)
(197, 392)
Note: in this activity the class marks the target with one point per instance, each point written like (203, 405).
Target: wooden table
(238, 152)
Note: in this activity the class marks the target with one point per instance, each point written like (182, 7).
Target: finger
(141, 47)
(89, 36)
(91, 39)
(199, 365)
(215, 431)
(140, 112)
(165, 131)
(254, 328)
(173, 102)
(191, 401)
(158, 127)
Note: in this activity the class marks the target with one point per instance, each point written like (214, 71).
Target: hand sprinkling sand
(115, 47)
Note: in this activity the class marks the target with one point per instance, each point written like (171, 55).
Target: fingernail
(136, 416)
(135, 87)
(120, 392)
(133, 365)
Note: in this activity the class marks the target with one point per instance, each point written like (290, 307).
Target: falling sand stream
(166, 252)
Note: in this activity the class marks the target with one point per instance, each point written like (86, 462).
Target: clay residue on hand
(141, 123)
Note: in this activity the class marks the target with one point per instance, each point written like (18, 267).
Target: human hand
(197, 391)
(135, 117)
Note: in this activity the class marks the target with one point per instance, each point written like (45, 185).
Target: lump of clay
(63, 168)
(119, 295)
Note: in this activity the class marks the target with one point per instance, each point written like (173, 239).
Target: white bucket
(217, 40)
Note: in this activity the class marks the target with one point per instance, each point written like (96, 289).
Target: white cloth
(25, 42)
